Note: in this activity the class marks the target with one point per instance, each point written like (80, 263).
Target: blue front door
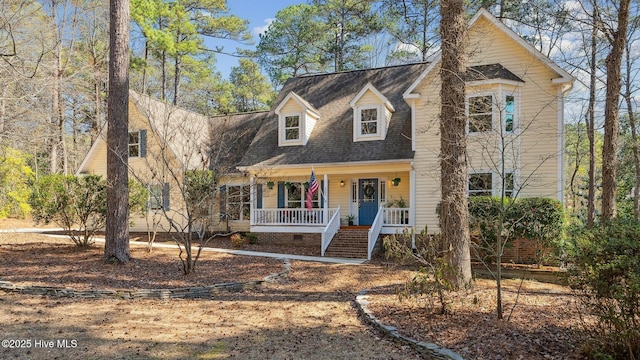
(368, 201)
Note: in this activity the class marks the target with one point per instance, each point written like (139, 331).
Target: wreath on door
(368, 190)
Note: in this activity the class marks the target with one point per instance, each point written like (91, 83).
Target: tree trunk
(611, 120)
(590, 121)
(116, 248)
(144, 68)
(3, 109)
(176, 80)
(628, 96)
(454, 222)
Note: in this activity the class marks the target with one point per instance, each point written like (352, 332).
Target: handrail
(374, 231)
(290, 216)
(330, 230)
(396, 216)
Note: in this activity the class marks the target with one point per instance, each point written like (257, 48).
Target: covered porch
(372, 196)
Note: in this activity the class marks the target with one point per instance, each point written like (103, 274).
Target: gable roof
(297, 98)
(563, 76)
(194, 139)
(197, 140)
(332, 140)
(183, 132)
(373, 89)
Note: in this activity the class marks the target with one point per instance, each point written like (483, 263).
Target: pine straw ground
(308, 315)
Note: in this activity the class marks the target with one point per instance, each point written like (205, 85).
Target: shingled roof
(332, 138)
(489, 72)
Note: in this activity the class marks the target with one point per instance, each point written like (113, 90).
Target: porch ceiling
(335, 169)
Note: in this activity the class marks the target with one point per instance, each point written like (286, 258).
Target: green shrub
(252, 238)
(15, 177)
(537, 219)
(607, 273)
(78, 204)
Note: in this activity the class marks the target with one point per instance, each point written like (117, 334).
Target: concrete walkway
(343, 261)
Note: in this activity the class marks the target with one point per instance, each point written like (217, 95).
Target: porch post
(325, 205)
(252, 199)
(412, 205)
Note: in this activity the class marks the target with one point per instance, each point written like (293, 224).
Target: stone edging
(433, 351)
(204, 292)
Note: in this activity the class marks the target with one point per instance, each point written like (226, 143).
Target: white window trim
(283, 132)
(303, 197)
(475, 172)
(498, 109)
(493, 112)
(357, 123)
(496, 181)
(516, 111)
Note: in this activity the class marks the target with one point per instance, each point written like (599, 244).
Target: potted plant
(350, 219)
(396, 181)
(270, 184)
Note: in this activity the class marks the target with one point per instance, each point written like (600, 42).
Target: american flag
(313, 187)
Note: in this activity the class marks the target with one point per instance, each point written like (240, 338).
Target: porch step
(349, 243)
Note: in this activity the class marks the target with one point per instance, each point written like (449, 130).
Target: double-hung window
(480, 113)
(158, 197)
(238, 202)
(292, 127)
(134, 144)
(369, 121)
(296, 196)
(480, 184)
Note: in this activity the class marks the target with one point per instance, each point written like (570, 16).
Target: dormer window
(371, 114)
(368, 121)
(296, 120)
(292, 127)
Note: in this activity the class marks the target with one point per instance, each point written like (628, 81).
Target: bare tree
(116, 247)
(454, 217)
(188, 165)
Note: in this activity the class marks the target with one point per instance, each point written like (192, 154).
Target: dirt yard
(307, 315)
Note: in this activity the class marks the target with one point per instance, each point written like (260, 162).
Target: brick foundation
(304, 239)
(519, 251)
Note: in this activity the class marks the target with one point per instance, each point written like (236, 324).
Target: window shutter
(165, 196)
(143, 143)
(222, 193)
(259, 196)
(280, 194)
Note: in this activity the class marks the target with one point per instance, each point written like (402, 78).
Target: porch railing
(396, 216)
(374, 231)
(330, 230)
(290, 216)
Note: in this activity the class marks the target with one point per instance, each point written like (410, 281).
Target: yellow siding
(368, 98)
(534, 152)
(291, 107)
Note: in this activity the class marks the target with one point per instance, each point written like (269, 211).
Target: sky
(259, 13)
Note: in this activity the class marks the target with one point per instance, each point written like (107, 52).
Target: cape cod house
(371, 139)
